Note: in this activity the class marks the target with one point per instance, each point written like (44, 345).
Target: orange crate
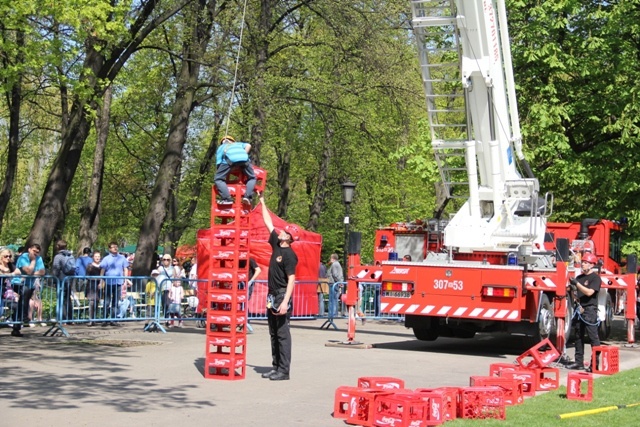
(575, 383)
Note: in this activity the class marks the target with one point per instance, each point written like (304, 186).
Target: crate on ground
(528, 377)
(512, 387)
(482, 403)
(356, 405)
(605, 359)
(580, 386)
(548, 379)
(408, 409)
(381, 383)
(225, 367)
(539, 356)
(450, 402)
(496, 368)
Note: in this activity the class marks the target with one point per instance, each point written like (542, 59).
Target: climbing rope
(235, 74)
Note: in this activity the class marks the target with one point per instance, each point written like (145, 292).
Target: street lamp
(348, 189)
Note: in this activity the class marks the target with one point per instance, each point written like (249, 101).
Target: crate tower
(226, 324)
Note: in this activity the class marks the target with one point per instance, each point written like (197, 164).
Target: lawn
(622, 388)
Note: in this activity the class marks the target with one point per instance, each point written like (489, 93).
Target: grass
(622, 388)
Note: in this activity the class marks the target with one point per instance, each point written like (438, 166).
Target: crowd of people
(22, 280)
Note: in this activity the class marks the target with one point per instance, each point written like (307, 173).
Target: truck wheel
(546, 321)
(604, 329)
(425, 334)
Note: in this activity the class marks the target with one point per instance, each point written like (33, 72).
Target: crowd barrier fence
(99, 301)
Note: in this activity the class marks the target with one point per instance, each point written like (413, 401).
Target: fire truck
(498, 264)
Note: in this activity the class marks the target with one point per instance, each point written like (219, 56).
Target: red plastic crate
(575, 383)
(605, 359)
(548, 379)
(528, 377)
(225, 367)
(538, 356)
(403, 410)
(356, 405)
(231, 344)
(512, 387)
(437, 408)
(450, 402)
(496, 368)
(381, 383)
(482, 403)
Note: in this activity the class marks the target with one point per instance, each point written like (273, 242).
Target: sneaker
(246, 200)
(225, 202)
(32, 325)
(16, 333)
(133, 315)
(180, 324)
(43, 324)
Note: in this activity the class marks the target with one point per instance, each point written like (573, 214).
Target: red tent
(307, 249)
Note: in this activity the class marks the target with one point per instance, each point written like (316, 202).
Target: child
(176, 293)
(35, 304)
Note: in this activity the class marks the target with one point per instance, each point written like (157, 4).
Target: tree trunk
(14, 102)
(90, 218)
(321, 184)
(195, 45)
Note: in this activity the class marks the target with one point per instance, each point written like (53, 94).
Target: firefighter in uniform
(587, 285)
(281, 279)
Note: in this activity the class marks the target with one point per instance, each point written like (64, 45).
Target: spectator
(126, 302)
(335, 276)
(232, 154)
(57, 269)
(113, 265)
(150, 294)
(35, 305)
(11, 288)
(281, 281)
(164, 281)
(178, 271)
(406, 258)
(323, 287)
(176, 294)
(94, 286)
(193, 272)
(81, 270)
(30, 263)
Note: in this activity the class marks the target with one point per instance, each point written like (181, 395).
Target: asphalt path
(125, 377)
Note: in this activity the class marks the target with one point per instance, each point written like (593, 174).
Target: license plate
(396, 294)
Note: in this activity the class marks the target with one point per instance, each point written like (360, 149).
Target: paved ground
(122, 377)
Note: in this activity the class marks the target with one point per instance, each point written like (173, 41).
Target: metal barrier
(98, 300)
(28, 299)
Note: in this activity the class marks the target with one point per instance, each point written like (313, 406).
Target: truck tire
(604, 328)
(546, 321)
(425, 334)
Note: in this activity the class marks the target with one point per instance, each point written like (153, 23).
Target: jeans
(111, 297)
(334, 300)
(220, 179)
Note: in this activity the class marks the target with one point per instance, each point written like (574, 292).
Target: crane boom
(468, 79)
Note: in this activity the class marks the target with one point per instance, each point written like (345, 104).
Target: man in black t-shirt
(587, 285)
(281, 280)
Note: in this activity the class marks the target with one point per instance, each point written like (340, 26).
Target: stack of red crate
(225, 353)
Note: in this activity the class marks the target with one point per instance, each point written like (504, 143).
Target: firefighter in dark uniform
(587, 285)
(281, 280)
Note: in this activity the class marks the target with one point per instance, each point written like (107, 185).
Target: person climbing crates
(230, 155)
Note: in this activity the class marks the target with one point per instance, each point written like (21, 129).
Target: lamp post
(348, 189)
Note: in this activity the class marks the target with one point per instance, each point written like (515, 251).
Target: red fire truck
(497, 264)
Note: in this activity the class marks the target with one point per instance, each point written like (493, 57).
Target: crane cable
(235, 74)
